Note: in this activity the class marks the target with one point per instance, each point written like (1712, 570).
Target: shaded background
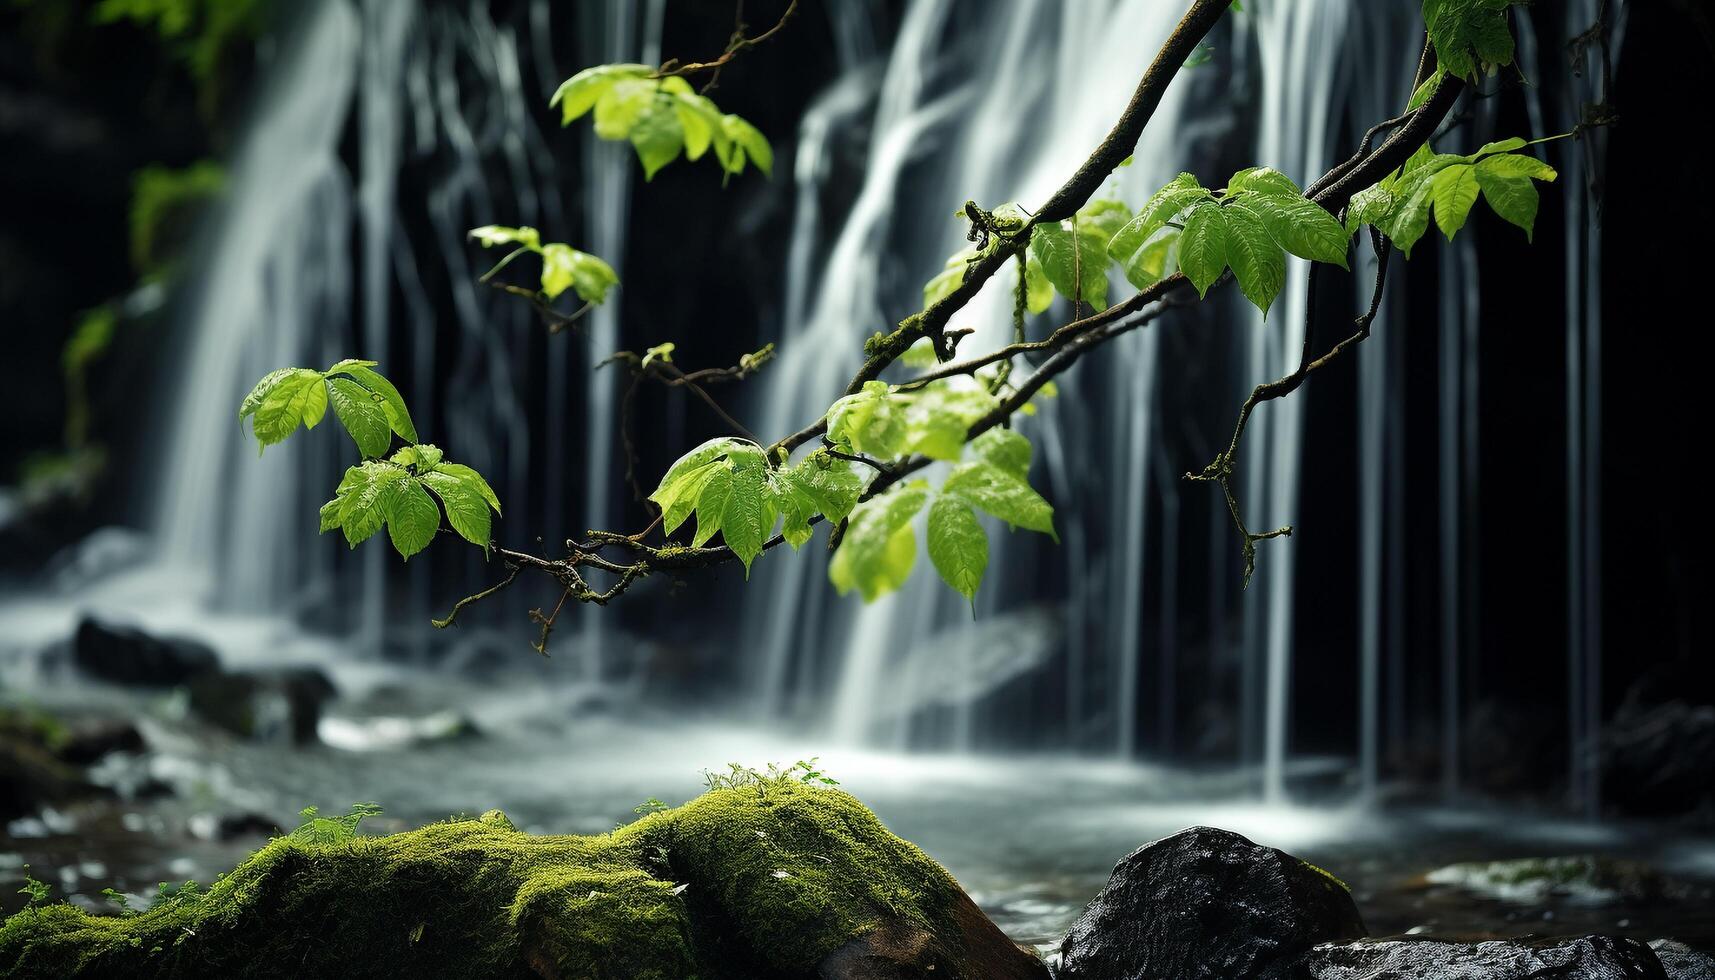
(1491, 601)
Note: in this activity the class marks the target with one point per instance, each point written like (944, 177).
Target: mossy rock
(771, 880)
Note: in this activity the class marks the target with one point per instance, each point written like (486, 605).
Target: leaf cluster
(732, 490)
(398, 492)
(1448, 185)
(879, 548)
(662, 117)
(563, 267)
(1470, 36)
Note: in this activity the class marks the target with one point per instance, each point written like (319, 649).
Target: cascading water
(1074, 65)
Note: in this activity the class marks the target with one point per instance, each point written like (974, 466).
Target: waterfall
(318, 254)
(262, 301)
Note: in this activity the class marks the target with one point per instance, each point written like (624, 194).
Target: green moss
(755, 881)
(164, 205)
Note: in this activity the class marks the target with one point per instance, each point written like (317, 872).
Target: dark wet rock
(1681, 962)
(902, 950)
(1659, 759)
(87, 742)
(32, 777)
(282, 705)
(1207, 904)
(122, 655)
(1411, 958)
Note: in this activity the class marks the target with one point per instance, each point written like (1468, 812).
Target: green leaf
(701, 123)
(1162, 207)
(681, 498)
(876, 555)
(1410, 216)
(490, 236)
(711, 504)
(1515, 199)
(659, 138)
(412, 517)
(466, 509)
(1104, 216)
(1004, 449)
(871, 421)
(1298, 225)
(1203, 245)
(361, 495)
(1066, 257)
(748, 519)
(564, 267)
(938, 415)
(292, 400)
(472, 479)
(1369, 206)
(1427, 89)
(1003, 493)
(832, 483)
(958, 546)
(1454, 190)
(1257, 261)
(253, 401)
(392, 404)
(578, 94)
(1038, 291)
(1263, 180)
(1515, 165)
(359, 410)
(329, 514)
(919, 356)
(821, 484)
(749, 139)
(1469, 35)
(623, 105)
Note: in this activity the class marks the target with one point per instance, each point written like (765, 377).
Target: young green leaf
(1203, 245)
(412, 517)
(1297, 224)
(1514, 198)
(712, 503)
(564, 267)
(359, 411)
(1075, 263)
(1469, 35)
(489, 236)
(361, 495)
(937, 416)
(1454, 190)
(472, 479)
(748, 519)
(876, 555)
(466, 510)
(1263, 180)
(871, 421)
(751, 141)
(1004, 449)
(958, 546)
(578, 94)
(1258, 262)
(1038, 291)
(293, 398)
(624, 104)
(658, 137)
(392, 404)
(1002, 493)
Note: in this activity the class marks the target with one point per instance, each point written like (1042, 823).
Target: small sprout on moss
(120, 900)
(38, 891)
(651, 805)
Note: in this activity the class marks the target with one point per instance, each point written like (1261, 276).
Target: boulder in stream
(770, 878)
(1207, 904)
(131, 657)
(282, 705)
